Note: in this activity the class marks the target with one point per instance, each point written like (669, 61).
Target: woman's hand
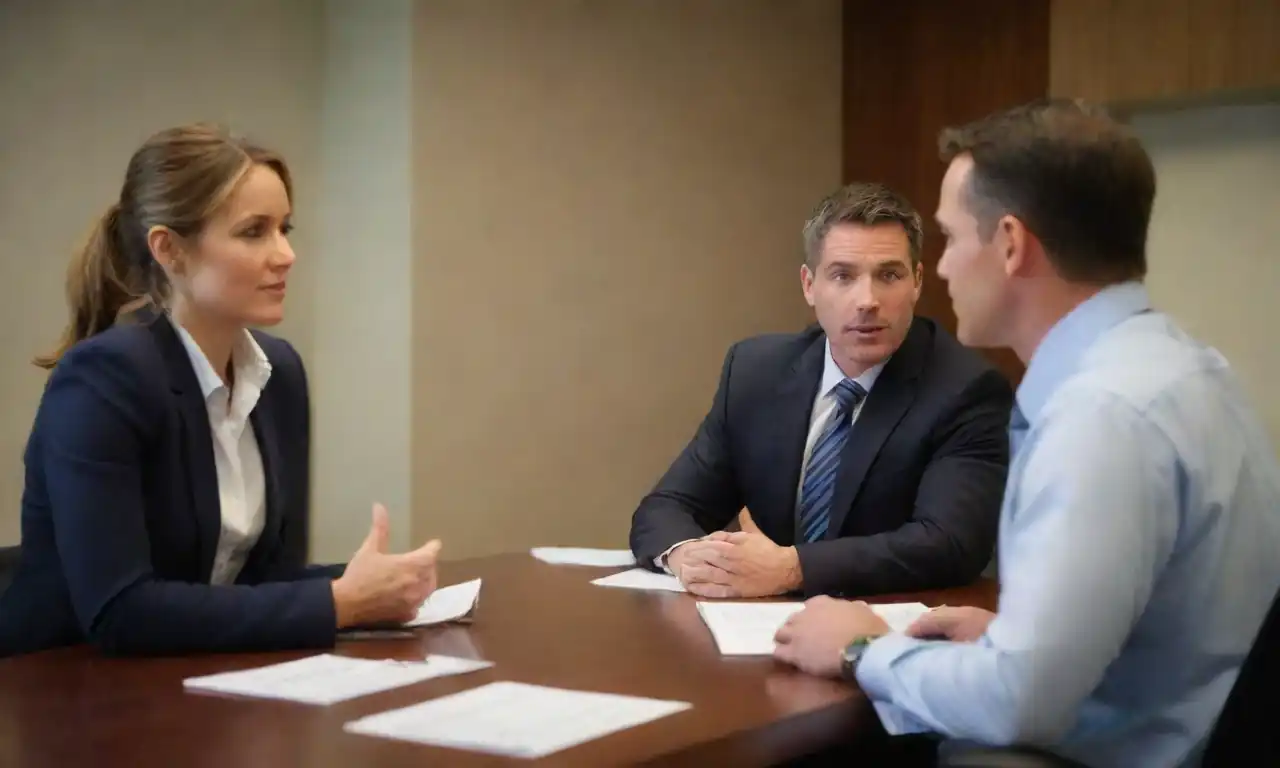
(382, 588)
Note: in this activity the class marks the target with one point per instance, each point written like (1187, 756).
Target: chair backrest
(9, 557)
(1246, 732)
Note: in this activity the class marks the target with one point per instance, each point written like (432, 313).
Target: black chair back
(1246, 733)
(9, 557)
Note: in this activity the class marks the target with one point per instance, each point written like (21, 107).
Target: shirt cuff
(874, 673)
(661, 560)
(897, 721)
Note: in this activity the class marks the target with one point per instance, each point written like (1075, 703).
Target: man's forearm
(908, 559)
(658, 525)
(959, 690)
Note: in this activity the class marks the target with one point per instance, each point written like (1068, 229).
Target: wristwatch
(852, 654)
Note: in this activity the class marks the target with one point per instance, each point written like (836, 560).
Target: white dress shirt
(824, 405)
(241, 481)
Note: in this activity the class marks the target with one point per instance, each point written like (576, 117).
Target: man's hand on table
(735, 565)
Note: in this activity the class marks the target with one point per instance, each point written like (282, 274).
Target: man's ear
(1012, 238)
(806, 283)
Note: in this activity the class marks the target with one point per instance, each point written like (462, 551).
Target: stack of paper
(639, 578)
(748, 629)
(327, 679)
(515, 719)
(604, 558)
(455, 603)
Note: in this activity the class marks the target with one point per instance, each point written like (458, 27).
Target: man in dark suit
(871, 449)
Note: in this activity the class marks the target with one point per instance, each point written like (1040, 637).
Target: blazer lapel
(795, 407)
(197, 442)
(886, 404)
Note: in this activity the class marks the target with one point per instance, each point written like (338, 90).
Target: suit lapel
(795, 406)
(197, 442)
(887, 403)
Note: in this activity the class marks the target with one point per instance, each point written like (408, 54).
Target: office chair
(1244, 735)
(8, 565)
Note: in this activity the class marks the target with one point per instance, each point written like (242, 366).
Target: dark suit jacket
(918, 492)
(121, 514)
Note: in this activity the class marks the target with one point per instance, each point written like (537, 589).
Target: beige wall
(1215, 235)
(606, 195)
(81, 85)
(361, 351)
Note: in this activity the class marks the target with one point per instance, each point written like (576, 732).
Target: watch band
(852, 654)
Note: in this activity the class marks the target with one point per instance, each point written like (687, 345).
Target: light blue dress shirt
(1139, 551)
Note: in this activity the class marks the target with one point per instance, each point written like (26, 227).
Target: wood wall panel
(1210, 60)
(1148, 51)
(1234, 45)
(912, 69)
(1079, 48)
(1255, 60)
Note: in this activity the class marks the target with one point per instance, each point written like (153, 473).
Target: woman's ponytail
(98, 286)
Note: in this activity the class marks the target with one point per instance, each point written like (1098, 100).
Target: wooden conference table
(539, 623)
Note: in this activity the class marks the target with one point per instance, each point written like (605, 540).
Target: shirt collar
(247, 359)
(1059, 353)
(832, 375)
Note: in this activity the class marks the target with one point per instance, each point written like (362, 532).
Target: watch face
(852, 653)
(849, 657)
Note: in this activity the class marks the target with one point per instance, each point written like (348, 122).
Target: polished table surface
(539, 623)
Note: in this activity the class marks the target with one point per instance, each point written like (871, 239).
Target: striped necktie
(824, 461)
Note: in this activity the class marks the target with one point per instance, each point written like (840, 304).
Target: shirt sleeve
(1092, 516)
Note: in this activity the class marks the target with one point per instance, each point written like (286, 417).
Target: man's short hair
(866, 204)
(1076, 178)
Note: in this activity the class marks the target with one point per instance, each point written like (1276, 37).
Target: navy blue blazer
(121, 514)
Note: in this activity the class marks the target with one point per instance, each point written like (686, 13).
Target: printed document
(328, 678)
(639, 578)
(515, 719)
(748, 629)
(604, 558)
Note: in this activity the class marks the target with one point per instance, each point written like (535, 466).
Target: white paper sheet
(899, 616)
(639, 578)
(453, 603)
(748, 629)
(328, 678)
(515, 719)
(604, 558)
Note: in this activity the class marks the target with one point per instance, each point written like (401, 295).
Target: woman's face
(236, 271)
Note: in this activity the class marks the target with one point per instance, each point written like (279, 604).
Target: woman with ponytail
(166, 500)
